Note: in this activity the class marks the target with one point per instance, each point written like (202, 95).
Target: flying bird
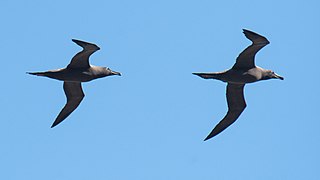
(79, 70)
(243, 71)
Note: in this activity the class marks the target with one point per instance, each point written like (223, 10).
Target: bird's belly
(239, 78)
(242, 80)
(74, 76)
(80, 77)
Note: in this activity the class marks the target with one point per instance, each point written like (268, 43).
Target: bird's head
(268, 74)
(108, 72)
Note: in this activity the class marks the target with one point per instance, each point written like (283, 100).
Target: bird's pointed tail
(37, 73)
(208, 75)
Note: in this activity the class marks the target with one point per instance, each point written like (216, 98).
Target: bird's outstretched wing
(74, 96)
(81, 59)
(236, 104)
(245, 60)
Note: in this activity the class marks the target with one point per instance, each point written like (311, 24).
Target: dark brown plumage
(79, 70)
(243, 71)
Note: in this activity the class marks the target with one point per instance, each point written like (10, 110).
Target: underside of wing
(81, 59)
(245, 60)
(236, 105)
(74, 94)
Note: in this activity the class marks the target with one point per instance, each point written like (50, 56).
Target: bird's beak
(115, 73)
(278, 76)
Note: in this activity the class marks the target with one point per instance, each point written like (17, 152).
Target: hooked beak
(278, 76)
(115, 73)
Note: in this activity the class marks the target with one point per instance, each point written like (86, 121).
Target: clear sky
(149, 124)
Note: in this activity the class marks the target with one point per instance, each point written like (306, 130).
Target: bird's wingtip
(208, 137)
(246, 31)
(54, 124)
(86, 45)
(32, 73)
(255, 37)
(197, 73)
(79, 42)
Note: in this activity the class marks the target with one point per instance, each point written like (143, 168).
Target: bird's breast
(74, 75)
(239, 77)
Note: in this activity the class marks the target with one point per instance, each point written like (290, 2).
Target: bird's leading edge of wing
(245, 60)
(236, 105)
(81, 59)
(74, 94)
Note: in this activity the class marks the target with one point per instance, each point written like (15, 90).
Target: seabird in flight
(243, 71)
(79, 70)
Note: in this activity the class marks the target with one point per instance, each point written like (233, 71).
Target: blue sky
(150, 122)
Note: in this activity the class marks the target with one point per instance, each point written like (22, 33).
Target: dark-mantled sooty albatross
(243, 71)
(79, 70)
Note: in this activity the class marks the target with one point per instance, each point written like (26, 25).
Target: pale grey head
(269, 74)
(100, 72)
(108, 72)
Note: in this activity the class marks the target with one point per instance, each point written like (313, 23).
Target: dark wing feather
(236, 104)
(81, 59)
(74, 96)
(245, 60)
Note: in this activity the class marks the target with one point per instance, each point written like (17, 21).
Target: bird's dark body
(243, 71)
(238, 76)
(79, 70)
(74, 75)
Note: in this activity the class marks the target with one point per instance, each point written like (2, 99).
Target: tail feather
(36, 73)
(207, 75)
